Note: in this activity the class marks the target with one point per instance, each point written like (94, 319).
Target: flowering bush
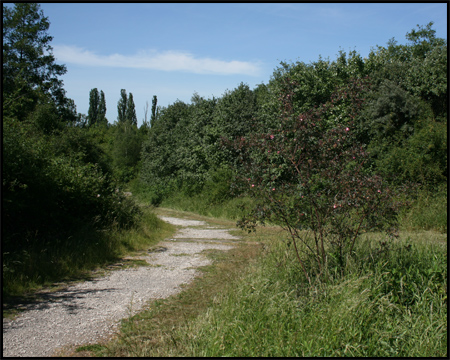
(309, 176)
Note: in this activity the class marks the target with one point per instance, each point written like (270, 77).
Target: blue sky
(173, 50)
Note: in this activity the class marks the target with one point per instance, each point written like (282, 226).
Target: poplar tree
(93, 107)
(153, 117)
(130, 112)
(101, 119)
(122, 106)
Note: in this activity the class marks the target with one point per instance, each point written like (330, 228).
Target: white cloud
(166, 61)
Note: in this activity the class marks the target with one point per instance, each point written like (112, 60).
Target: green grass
(74, 258)
(254, 300)
(429, 212)
(229, 209)
(394, 306)
(151, 332)
(391, 302)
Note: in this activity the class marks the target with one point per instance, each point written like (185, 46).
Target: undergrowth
(73, 256)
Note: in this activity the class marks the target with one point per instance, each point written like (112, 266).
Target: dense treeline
(403, 122)
(61, 170)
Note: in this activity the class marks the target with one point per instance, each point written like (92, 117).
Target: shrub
(309, 176)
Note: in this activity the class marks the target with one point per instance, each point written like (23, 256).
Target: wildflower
(253, 185)
(347, 129)
(273, 189)
(271, 137)
(379, 191)
(98, 195)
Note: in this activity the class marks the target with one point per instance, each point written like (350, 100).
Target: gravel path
(91, 311)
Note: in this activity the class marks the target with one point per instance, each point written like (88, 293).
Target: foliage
(101, 117)
(154, 110)
(130, 113)
(94, 100)
(122, 106)
(97, 108)
(400, 123)
(127, 147)
(184, 145)
(160, 153)
(29, 68)
(422, 157)
(309, 175)
(419, 67)
(52, 183)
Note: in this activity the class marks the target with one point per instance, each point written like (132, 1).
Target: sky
(173, 50)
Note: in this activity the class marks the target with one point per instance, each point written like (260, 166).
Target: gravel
(91, 311)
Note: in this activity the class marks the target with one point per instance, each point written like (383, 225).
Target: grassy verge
(254, 301)
(87, 249)
(395, 305)
(151, 332)
(228, 209)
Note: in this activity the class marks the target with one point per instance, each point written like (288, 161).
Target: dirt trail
(90, 311)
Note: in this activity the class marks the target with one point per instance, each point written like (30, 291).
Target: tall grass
(228, 209)
(429, 212)
(392, 301)
(73, 256)
(393, 304)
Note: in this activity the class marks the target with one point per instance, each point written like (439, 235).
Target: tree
(419, 67)
(94, 100)
(29, 67)
(130, 111)
(101, 118)
(122, 106)
(145, 113)
(153, 118)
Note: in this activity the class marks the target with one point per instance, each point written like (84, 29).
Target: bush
(310, 175)
(217, 188)
(46, 193)
(421, 158)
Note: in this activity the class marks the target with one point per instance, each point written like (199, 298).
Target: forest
(338, 147)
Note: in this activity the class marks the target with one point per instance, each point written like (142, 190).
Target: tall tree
(154, 102)
(94, 100)
(130, 112)
(122, 106)
(101, 119)
(29, 68)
